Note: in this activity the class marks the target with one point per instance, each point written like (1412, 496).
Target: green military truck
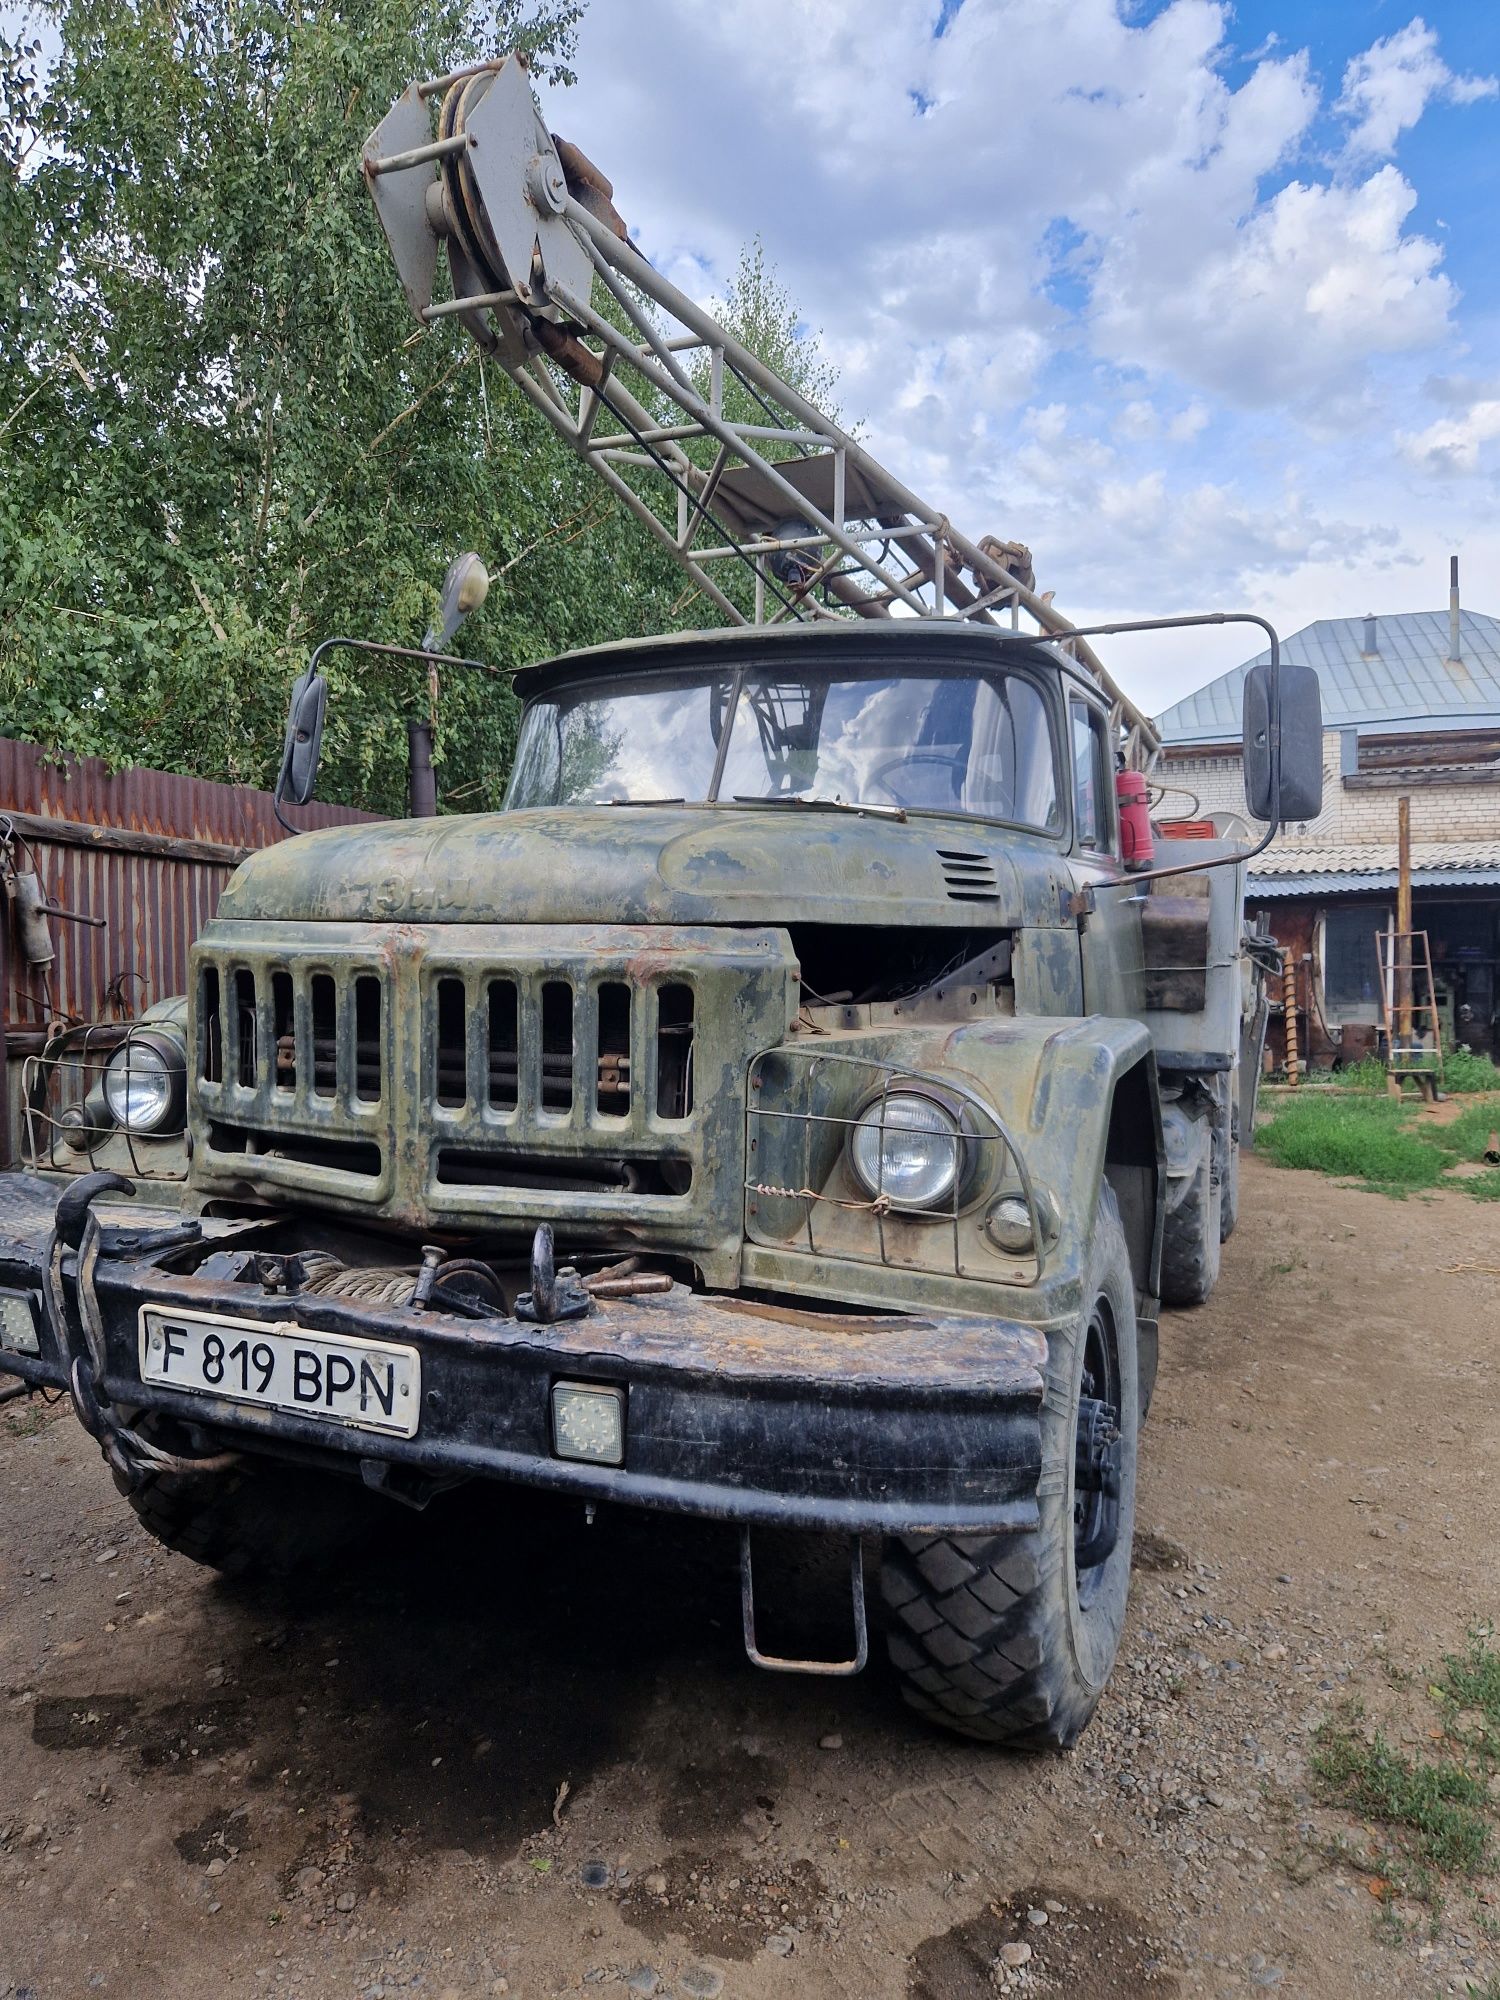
(789, 1111)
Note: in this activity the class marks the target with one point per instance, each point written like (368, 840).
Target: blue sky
(1202, 301)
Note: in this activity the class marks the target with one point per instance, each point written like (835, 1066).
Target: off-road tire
(991, 1635)
(266, 1520)
(1192, 1234)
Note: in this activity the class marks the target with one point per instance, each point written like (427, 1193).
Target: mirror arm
(406, 653)
(432, 658)
(1173, 624)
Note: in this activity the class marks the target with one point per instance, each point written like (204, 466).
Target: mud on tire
(1003, 1637)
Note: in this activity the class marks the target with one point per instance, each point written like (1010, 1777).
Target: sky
(1199, 300)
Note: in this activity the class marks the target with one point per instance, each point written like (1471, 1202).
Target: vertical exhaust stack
(1455, 655)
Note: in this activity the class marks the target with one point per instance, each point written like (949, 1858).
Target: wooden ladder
(1403, 1013)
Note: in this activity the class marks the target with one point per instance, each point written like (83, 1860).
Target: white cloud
(1452, 444)
(918, 235)
(1187, 423)
(1088, 281)
(1283, 304)
(1389, 86)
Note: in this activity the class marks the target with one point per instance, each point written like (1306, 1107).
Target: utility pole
(1403, 945)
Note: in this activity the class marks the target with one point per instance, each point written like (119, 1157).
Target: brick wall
(1461, 811)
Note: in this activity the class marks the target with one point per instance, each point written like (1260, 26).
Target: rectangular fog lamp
(588, 1422)
(18, 1324)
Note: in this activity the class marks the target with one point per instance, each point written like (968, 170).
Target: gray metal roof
(1307, 869)
(1408, 682)
(1380, 881)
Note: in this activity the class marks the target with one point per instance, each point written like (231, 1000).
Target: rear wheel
(1011, 1638)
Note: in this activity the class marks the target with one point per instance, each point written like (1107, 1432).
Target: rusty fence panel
(146, 851)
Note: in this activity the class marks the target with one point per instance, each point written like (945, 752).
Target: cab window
(1091, 816)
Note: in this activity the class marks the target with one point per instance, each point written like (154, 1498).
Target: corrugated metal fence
(146, 851)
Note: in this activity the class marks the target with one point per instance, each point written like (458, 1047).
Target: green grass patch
(1433, 1813)
(1466, 1136)
(1365, 1139)
(1468, 1690)
(1382, 1143)
(1438, 1807)
(1465, 1074)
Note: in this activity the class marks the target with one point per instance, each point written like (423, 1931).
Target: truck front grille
(510, 1047)
(505, 1073)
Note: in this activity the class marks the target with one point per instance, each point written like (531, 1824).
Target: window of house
(1351, 960)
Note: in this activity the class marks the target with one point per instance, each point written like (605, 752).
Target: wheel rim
(1097, 1470)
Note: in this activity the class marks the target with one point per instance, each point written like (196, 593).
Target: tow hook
(554, 1294)
(131, 1459)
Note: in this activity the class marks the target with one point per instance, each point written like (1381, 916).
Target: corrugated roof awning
(1272, 888)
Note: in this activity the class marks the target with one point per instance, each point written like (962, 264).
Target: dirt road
(510, 1755)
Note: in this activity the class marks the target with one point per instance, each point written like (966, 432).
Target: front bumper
(734, 1411)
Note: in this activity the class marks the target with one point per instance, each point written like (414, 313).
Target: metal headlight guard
(806, 1107)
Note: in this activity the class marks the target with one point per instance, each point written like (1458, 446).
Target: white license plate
(367, 1384)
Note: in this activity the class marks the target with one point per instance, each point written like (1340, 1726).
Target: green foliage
(1382, 1143)
(1369, 1073)
(1464, 1071)
(222, 438)
(759, 310)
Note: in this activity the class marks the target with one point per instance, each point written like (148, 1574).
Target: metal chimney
(1371, 647)
(1455, 656)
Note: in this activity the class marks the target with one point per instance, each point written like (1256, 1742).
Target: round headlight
(144, 1086)
(907, 1148)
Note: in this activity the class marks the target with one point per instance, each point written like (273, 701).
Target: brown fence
(147, 852)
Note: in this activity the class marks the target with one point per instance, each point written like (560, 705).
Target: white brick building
(1411, 707)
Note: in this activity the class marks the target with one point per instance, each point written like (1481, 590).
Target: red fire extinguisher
(1134, 793)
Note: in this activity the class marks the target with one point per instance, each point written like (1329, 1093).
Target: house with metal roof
(1411, 708)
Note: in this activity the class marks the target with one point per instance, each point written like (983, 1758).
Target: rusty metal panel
(147, 851)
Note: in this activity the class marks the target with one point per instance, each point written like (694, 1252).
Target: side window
(1091, 820)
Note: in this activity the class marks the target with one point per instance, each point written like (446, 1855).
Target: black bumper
(871, 1425)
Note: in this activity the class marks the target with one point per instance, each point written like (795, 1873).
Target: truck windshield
(977, 743)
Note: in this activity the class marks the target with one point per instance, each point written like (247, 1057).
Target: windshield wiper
(645, 802)
(800, 800)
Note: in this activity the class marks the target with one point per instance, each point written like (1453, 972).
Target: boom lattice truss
(773, 510)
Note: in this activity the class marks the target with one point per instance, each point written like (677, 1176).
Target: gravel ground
(505, 1754)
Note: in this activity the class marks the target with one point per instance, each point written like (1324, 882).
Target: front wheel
(257, 1518)
(1011, 1638)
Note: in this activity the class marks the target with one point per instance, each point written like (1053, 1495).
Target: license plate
(369, 1385)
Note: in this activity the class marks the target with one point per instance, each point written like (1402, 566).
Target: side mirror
(1283, 746)
(304, 739)
(465, 588)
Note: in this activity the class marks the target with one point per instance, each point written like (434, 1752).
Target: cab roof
(872, 641)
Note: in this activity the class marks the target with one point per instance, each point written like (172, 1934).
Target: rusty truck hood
(655, 864)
